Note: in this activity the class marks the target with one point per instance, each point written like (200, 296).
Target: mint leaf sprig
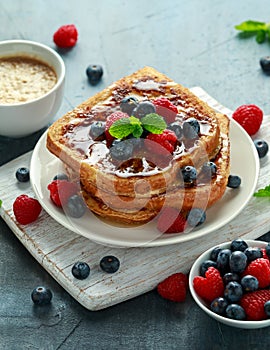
(124, 127)
(260, 29)
(0, 203)
(263, 192)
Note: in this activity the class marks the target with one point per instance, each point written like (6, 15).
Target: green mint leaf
(121, 128)
(0, 203)
(138, 130)
(251, 26)
(134, 121)
(153, 123)
(260, 37)
(263, 192)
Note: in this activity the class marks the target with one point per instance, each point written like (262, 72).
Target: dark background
(195, 43)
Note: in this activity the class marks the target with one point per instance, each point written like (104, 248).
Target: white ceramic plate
(195, 272)
(244, 163)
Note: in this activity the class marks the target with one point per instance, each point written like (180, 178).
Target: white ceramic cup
(22, 119)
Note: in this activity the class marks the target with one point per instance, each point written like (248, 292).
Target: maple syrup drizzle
(77, 134)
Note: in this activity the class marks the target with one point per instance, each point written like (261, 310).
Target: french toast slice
(140, 210)
(136, 191)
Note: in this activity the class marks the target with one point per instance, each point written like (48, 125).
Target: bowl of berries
(231, 283)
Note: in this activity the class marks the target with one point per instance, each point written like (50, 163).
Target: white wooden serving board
(57, 248)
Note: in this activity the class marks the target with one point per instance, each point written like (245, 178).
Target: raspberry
(26, 209)
(66, 36)
(174, 287)
(110, 120)
(253, 304)
(259, 268)
(171, 221)
(61, 191)
(161, 143)
(209, 287)
(166, 109)
(249, 117)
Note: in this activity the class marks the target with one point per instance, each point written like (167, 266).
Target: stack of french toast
(122, 177)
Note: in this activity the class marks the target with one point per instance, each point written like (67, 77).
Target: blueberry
(189, 174)
(196, 217)
(61, 176)
(234, 181)
(262, 147)
(22, 174)
(267, 308)
(235, 312)
(265, 64)
(97, 131)
(209, 169)
(177, 129)
(191, 128)
(233, 292)
(214, 253)
(205, 264)
(75, 206)
(223, 260)
(238, 261)
(230, 277)
(41, 295)
(267, 249)
(219, 305)
(253, 253)
(94, 73)
(144, 108)
(238, 244)
(249, 283)
(121, 150)
(109, 264)
(80, 270)
(128, 104)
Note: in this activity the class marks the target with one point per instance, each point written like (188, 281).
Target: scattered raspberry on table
(174, 287)
(66, 36)
(26, 209)
(249, 117)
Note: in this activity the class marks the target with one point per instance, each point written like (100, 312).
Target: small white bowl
(22, 119)
(203, 305)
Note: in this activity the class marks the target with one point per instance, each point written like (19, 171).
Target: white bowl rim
(222, 319)
(60, 79)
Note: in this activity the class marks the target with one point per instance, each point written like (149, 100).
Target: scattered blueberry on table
(41, 296)
(109, 264)
(262, 147)
(94, 73)
(80, 270)
(265, 64)
(22, 174)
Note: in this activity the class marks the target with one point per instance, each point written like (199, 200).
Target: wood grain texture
(57, 248)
